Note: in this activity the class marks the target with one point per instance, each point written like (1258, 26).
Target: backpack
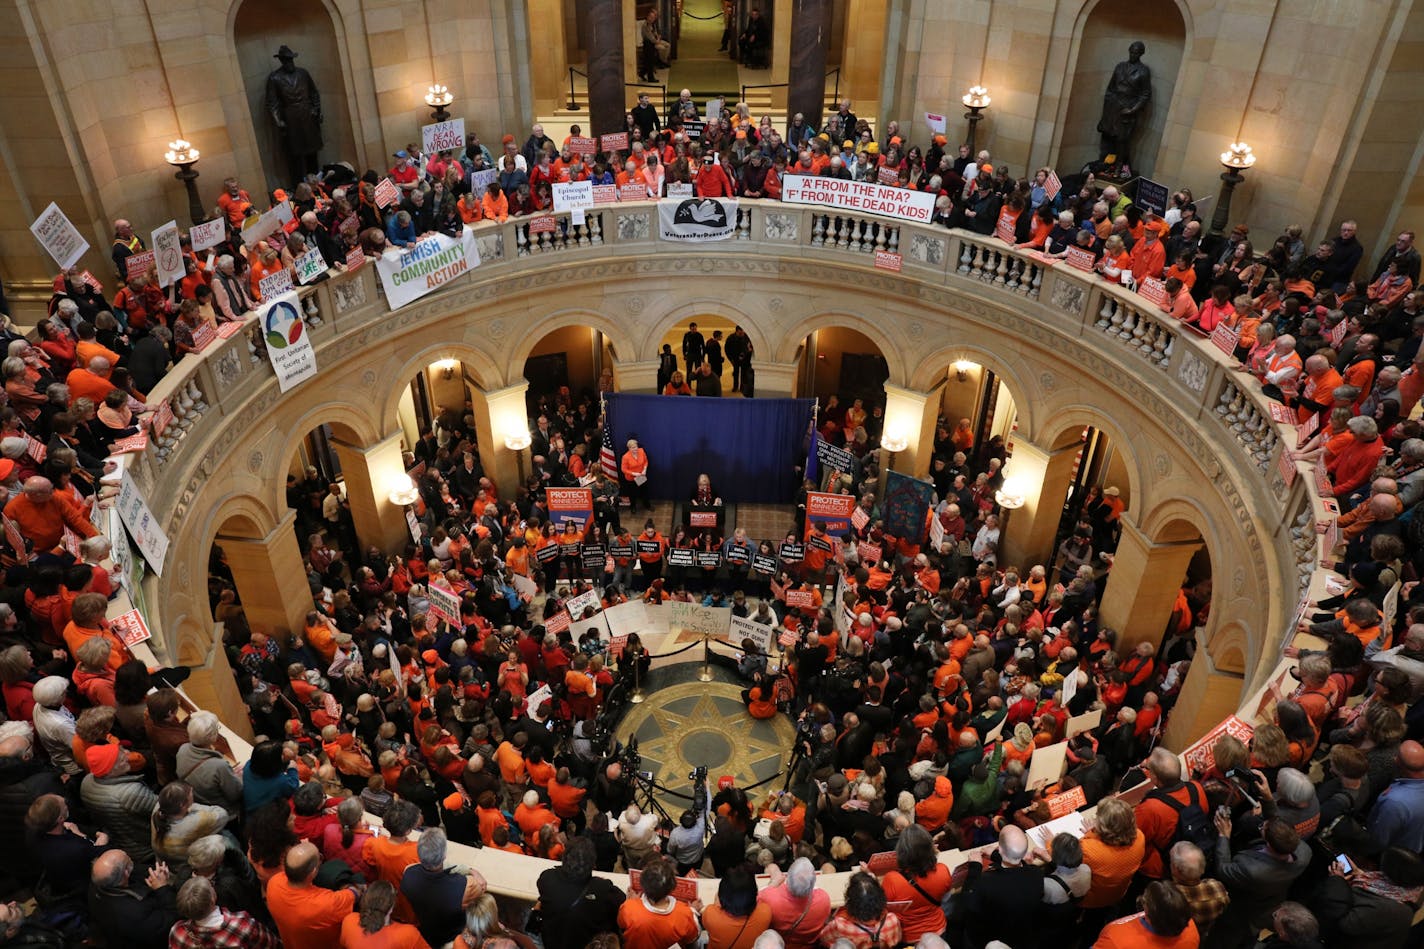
(1194, 824)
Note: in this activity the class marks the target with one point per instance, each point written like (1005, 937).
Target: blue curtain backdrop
(750, 448)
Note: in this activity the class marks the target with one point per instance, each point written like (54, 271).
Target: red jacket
(1353, 466)
(713, 182)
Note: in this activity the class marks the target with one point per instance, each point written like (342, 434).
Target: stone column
(1208, 695)
(1042, 478)
(271, 578)
(810, 35)
(497, 414)
(604, 43)
(1142, 587)
(775, 380)
(640, 376)
(369, 474)
(211, 686)
(911, 415)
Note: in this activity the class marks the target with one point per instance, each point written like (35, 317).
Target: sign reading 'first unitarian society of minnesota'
(409, 273)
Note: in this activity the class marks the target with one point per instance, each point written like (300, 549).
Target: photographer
(686, 841)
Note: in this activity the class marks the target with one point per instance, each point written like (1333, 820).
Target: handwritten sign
(694, 618)
(569, 195)
(275, 284)
(583, 145)
(59, 237)
(310, 266)
(1080, 259)
(1154, 290)
(442, 136)
(444, 604)
(615, 142)
(141, 524)
(168, 254)
(888, 260)
(577, 606)
(1225, 338)
(207, 235)
(742, 629)
(386, 193)
(137, 265)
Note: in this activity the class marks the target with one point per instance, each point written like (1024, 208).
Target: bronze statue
(1129, 90)
(295, 107)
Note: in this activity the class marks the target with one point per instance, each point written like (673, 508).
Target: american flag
(1051, 185)
(606, 456)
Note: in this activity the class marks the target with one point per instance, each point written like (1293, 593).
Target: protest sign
(442, 136)
(888, 260)
(697, 219)
(1154, 290)
(355, 257)
(615, 142)
(208, 234)
(573, 194)
(275, 284)
(444, 604)
(695, 618)
(543, 224)
(801, 599)
(936, 122)
(605, 194)
(59, 237)
(310, 266)
(569, 504)
(137, 265)
(426, 265)
(168, 254)
(1152, 196)
(577, 606)
(583, 145)
(791, 553)
(142, 526)
(289, 347)
(386, 193)
(1225, 338)
(1198, 756)
(1046, 766)
(887, 175)
(633, 191)
(743, 628)
(1066, 803)
(871, 198)
(131, 628)
(1080, 259)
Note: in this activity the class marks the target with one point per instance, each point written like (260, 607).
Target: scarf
(1375, 882)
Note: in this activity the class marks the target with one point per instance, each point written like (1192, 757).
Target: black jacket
(144, 916)
(576, 910)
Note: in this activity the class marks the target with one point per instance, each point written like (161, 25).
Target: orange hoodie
(933, 811)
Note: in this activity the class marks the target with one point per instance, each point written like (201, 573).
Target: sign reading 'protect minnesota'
(410, 273)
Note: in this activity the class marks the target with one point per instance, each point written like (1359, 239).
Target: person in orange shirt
(372, 927)
(87, 347)
(87, 621)
(90, 381)
(634, 466)
(471, 208)
(494, 206)
(234, 202)
(389, 856)
(490, 817)
(510, 758)
(1318, 393)
(933, 811)
(653, 919)
(1148, 257)
(531, 814)
(320, 634)
(1164, 923)
(307, 916)
(267, 263)
(42, 515)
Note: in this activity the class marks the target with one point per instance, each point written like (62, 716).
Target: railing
(1220, 408)
(835, 93)
(573, 106)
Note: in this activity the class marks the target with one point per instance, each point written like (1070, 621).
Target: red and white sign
(702, 519)
(1337, 335)
(1080, 259)
(231, 328)
(386, 193)
(801, 599)
(605, 194)
(859, 518)
(133, 443)
(15, 539)
(582, 145)
(616, 142)
(617, 645)
(882, 863)
(136, 265)
(355, 257)
(1225, 338)
(1051, 185)
(161, 418)
(1281, 414)
(543, 224)
(1065, 803)
(1305, 429)
(444, 604)
(131, 628)
(888, 175)
(901, 203)
(633, 192)
(1154, 290)
(557, 623)
(684, 889)
(888, 260)
(203, 335)
(788, 638)
(1199, 757)
(442, 136)
(868, 552)
(1004, 228)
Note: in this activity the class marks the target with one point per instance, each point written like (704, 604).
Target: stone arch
(624, 345)
(794, 336)
(1230, 646)
(931, 370)
(347, 422)
(1068, 420)
(1116, 23)
(706, 307)
(486, 372)
(320, 27)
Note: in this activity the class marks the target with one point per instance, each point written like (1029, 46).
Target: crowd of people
(917, 720)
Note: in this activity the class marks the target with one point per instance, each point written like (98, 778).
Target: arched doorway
(716, 332)
(977, 394)
(1104, 36)
(258, 29)
(843, 362)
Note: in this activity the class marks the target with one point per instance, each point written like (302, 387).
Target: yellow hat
(872, 149)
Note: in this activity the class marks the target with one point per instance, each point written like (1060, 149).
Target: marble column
(1042, 478)
(271, 578)
(498, 414)
(911, 415)
(810, 35)
(1142, 587)
(604, 43)
(369, 473)
(1208, 695)
(211, 686)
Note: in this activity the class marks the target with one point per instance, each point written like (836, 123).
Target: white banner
(288, 345)
(573, 194)
(168, 254)
(275, 284)
(695, 618)
(431, 263)
(902, 203)
(697, 219)
(442, 137)
(207, 235)
(59, 237)
(142, 525)
(760, 634)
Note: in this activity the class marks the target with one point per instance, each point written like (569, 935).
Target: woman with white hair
(203, 766)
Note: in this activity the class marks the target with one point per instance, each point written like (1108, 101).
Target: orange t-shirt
(307, 917)
(389, 858)
(646, 928)
(390, 936)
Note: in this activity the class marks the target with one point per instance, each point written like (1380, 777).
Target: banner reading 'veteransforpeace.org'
(887, 200)
(426, 265)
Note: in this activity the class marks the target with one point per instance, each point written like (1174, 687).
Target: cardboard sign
(447, 136)
(1225, 338)
(1080, 259)
(1154, 290)
(1066, 803)
(887, 175)
(682, 557)
(801, 599)
(577, 606)
(209, 234)
(702, 519)
(137, 265)
(1152, 196)
(386, 193)
(583, 145)
(204, 335)
(355, 257)
(168, 254)
(605, 194)
(614, 142)
(59, 237)
(310, 266)
(131, 628)
(1083, 723)
(543, 224)
(444, 604)
(888, 260)
(633, 191)
(791, 553)
(1046, 766)
(275, 284)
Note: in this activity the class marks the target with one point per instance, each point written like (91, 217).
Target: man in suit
(693, 348)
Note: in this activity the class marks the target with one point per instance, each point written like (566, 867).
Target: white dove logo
(704, 213)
